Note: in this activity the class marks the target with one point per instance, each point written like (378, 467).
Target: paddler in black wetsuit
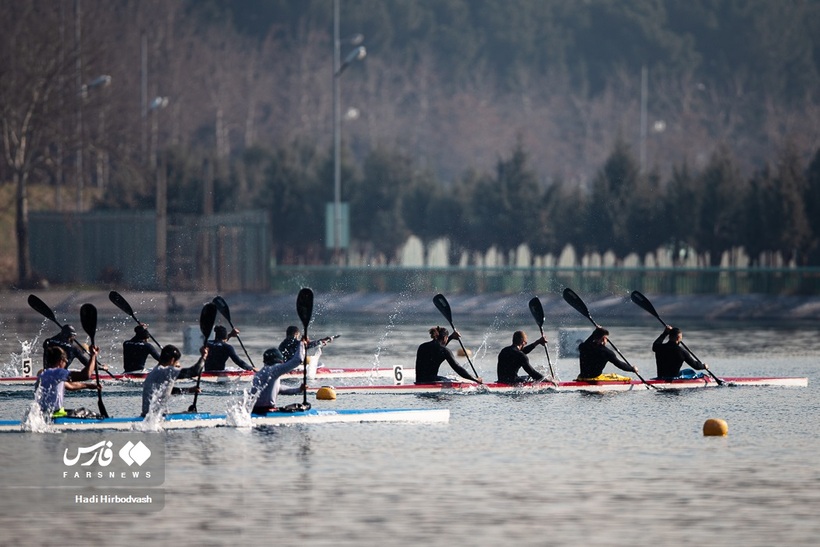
(219, 351)
(594, 355)
(136, 350)
(514, 357)
(432, 354)
(670, 356)
(66, 339)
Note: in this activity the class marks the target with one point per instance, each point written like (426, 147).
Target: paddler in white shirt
(158, 385)
(267, 382)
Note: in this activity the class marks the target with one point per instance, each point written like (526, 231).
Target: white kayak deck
(202, 420)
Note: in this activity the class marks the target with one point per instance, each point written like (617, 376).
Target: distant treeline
(607, 124)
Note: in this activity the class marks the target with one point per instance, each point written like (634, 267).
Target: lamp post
(158, 103)
(338, 68)
(98, 82)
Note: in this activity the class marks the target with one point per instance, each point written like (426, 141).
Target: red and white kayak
(588, 386)
(232, 376)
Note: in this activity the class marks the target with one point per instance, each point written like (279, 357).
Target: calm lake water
(529, 469)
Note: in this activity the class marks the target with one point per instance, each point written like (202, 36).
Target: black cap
(68, 330)
(141, 332)
(273, 355)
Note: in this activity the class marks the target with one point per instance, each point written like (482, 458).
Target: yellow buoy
(326, 393)
(463, 353)
(715, 427)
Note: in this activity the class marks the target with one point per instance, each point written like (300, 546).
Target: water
(529, 469)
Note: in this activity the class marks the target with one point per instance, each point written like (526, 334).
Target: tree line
(516, 101)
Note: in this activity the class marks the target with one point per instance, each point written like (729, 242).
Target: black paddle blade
(575, 301)
(41, 307)
(207, 318)
(118, 300)
(444, 307)
(643, 302)
(222, 306)
(537, 311)
(304, 306)
(88, 319)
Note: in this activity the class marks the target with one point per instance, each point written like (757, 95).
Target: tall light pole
(338, 68)
(98, 82)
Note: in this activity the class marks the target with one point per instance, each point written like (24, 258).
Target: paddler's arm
(461, 371)
(615, 360)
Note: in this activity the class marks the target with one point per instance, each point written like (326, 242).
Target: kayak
(233, 376)
(588, 386)
(203, 420)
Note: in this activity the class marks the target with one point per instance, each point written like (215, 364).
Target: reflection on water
(523, 469)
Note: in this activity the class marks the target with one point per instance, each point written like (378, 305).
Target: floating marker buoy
(462, 353)
(326, 393)
(715, 427)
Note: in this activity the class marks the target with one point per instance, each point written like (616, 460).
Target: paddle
(644, 302)
(207, 318)
(88, 319)
(575, 301)
(304, 308)
(43, 309)
(222, 306)
(118, 300)
(537, 312)
(444, 307)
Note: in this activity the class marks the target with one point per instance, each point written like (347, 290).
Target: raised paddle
(444, 307)
(575, 301)
(304, 308)
(222, 306)
(43, 309)
(88, 319)
(207, 318)
(644, 302)
(118, 300)
(537, 311)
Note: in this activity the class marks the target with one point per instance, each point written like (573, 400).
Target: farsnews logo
(102, 454)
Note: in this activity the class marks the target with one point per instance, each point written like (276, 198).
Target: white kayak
(202, 420)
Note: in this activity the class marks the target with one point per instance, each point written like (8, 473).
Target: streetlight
(158, 103)
(98, 82)
(338, 68)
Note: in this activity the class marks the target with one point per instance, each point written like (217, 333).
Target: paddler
(430, 355)
(514, 357)
(595, 354)
(136, 350)
(291, 342)
(66, 339)
(56, 378)
(219, 351)
(158, 386)
(671, 355)
(267, 382)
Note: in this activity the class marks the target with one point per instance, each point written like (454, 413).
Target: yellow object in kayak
(608, 377)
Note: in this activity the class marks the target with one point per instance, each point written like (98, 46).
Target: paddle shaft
(118, 300)
(651, 309)
(537, 311)
(207, 318)
(304, 309)
(88, 318)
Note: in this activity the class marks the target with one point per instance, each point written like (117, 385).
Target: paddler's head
(170, 355)
(440, 334)
(55, 357)
(600, 335)
(273, 356)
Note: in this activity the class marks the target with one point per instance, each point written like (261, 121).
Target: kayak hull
(205, 420)
(586, 386)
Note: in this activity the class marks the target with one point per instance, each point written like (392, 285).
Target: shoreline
(336, 305)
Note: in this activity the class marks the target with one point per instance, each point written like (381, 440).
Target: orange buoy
(326, 393)
(715, 427)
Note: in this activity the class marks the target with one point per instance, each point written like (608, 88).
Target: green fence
(472, 280)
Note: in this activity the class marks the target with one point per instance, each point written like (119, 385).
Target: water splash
(391, 325)
(35, 421)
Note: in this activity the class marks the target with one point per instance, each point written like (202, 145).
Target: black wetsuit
(219, 351)
(71, 350)
(670, 356)
(135, 352)
(429, 358)
(594, 357)
(290, 346)
(511, 359)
